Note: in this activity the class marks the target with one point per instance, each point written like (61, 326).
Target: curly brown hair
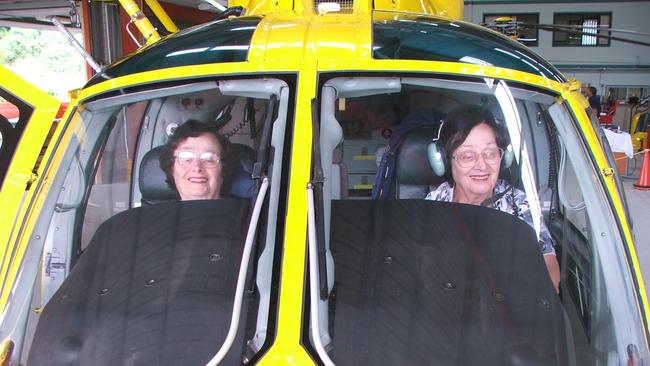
(194, 128)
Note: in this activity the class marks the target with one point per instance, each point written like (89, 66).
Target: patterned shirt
(515, 203)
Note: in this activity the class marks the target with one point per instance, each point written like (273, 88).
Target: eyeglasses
(467, 158)
(187, 158)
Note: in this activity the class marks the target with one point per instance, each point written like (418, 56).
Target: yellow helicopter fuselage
(318, 93)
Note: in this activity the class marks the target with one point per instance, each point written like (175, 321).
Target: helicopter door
(23, 141)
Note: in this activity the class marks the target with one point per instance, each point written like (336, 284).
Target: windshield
(160, 243)
(463, 223)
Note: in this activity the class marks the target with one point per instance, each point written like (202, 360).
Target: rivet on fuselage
(448, 285)
(150, 282)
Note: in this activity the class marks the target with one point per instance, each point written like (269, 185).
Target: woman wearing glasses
(471, 148)
(195, 162)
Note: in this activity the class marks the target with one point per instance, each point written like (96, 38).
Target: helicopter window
(593, 285)
(408, 37)
(227, 40)
(609, 155)
(100, 193)
(611, 161)
(409, 281)
(109, 192)
(627, 93)
(586, 26)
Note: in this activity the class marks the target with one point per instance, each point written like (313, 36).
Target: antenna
(77, 46)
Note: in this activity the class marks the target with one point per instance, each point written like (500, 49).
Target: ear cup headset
(440, 161)
(436, 155)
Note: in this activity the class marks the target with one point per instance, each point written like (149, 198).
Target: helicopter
(315, 255)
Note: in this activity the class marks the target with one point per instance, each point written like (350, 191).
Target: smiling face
(196, 181)
(475, 183)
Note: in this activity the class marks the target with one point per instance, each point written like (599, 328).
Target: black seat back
(414, 176)
(151, 180)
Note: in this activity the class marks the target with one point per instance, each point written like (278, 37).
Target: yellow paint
(362, 186)
(578, 102)
(242, 3)
(140, 20)
(35, 198)
(161, 14)
(449, 8)
(279, 38)
(286, 348)
(639, 138)
(574, 85)
(406, 5)
(446, 8)
(232, 68)
(14, 198)
(6, 350)
(364, 157)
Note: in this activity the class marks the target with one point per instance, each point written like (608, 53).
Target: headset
(439, 160)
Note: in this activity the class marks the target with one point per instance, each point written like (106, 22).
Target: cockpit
(392, 278)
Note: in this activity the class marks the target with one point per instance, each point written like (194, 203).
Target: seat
(404, 161)
(607, 118)
(413, 173)
(154, 188)
(243, 185)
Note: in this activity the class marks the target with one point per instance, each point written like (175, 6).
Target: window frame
(599, 15)
(629, 91)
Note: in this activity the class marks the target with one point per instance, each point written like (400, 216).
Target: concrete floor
(639, 205)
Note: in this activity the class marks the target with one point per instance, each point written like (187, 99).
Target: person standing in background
(594, 100)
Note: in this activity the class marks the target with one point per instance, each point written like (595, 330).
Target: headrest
(243, 185)
(153, 186)
(245, 154)
(412, 166)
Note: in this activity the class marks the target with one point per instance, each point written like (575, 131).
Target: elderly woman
(474, 145)
(195, 161)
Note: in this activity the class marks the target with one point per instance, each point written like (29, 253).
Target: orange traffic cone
(644, 177)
